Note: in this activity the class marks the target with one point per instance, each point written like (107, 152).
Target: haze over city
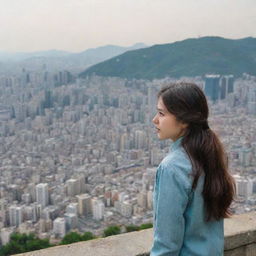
(74, 26)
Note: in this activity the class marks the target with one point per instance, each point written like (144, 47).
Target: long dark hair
(187, 102)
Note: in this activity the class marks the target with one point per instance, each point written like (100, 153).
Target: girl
(193, 189)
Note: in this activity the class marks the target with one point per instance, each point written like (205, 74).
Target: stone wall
(240, 240)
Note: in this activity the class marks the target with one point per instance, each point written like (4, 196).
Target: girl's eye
(161, 114)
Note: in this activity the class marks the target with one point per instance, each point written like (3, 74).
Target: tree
(131, 228)
(74, 237)
(87, 236)
(146, 225)
(20, 243)
(111, 231)
(37, 244)
(70, 238)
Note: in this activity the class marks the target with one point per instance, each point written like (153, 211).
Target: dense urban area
(81, 154)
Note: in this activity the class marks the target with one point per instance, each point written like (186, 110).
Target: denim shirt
(179, 222)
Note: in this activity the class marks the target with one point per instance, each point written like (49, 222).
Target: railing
(240, 240)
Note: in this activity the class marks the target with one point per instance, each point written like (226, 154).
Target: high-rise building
(154, 156)
(59, 227)
(251, 105)
(124, 142)
(12, 215)
(72, 208)
(150, 199)
(152, 101)
(218, 87)
(244, 187)
(36, 211)
(15, 215)
(230, 83)
(142, 199)
(114, 196)
(28, 213)
(3, 211)
(226, 86)
(126, 209)
(42, 195)
(42, 226)
(31, 190)
(140, 139)
(73, 187)
(212, 87)
(81, 183)
(50, 212)
(107, 197)
(117, 206)
(84, 204)
(26, 198)
(98, 209)
(223, 87)
(71, 220)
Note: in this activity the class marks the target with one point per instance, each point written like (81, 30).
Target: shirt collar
(176, 144)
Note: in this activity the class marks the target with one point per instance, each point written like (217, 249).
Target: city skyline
(82, 155)
(29, 26)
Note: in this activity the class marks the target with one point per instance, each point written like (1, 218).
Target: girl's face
(166, 124)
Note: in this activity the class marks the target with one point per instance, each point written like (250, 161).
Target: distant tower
(42, 196)
(140, 139)
(230, 83)
(251, 104)
(212, 87)
(223, 87)
(226, 86)
(152, 101)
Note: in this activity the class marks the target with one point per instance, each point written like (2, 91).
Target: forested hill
(191, 57)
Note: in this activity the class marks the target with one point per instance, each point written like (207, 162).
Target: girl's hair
(187, 102)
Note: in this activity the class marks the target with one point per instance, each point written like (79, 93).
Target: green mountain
(191, 57)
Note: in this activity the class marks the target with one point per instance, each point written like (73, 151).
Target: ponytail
(207, 156)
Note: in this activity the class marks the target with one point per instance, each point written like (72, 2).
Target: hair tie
(201, 125)
(205, 126)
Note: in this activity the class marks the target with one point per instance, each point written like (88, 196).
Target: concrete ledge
(128, 244)
(240, 240)
(240, 235)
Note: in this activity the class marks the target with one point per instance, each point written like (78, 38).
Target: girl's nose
(154, 120)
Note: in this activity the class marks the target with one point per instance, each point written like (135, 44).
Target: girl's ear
(184, 125)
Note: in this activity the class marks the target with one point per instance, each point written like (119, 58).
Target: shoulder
(178, 159)
(178, 164)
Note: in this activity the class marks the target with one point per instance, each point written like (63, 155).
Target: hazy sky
(76, 25)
